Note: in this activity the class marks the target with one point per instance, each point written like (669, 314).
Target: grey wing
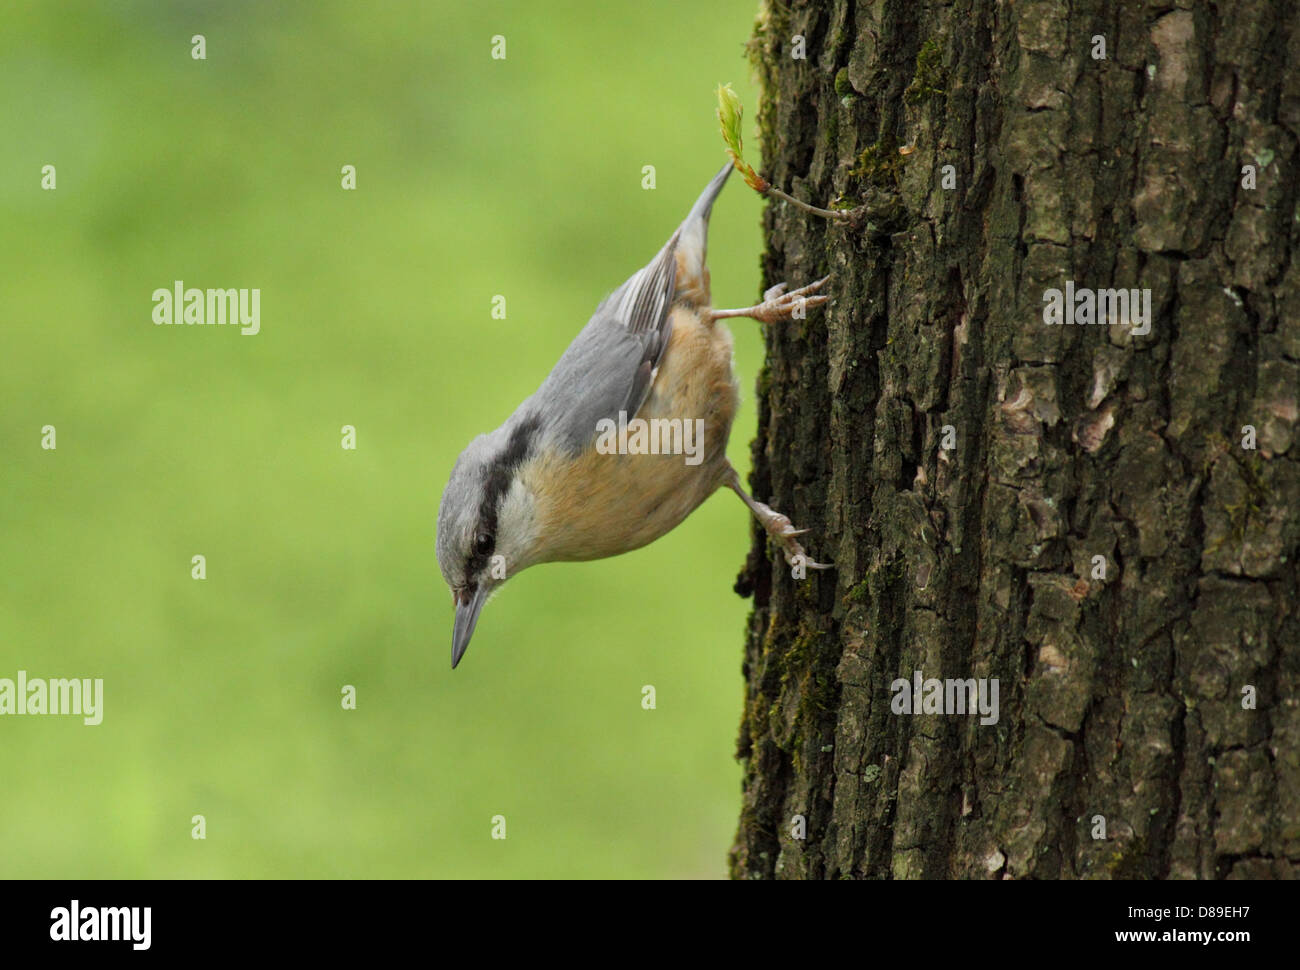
(611, 364)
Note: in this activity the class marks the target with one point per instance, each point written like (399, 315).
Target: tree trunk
(965, 464)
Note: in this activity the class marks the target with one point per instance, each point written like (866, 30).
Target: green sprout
(730, 111)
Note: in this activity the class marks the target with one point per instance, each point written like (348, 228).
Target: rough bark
(1119, 697)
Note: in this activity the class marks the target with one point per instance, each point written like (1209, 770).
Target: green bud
(730, 111)
(729, 115)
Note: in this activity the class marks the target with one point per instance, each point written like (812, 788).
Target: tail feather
(692, 243)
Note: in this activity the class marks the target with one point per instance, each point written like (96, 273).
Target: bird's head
(487, 523)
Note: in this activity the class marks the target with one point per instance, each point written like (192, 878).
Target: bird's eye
(483, 543)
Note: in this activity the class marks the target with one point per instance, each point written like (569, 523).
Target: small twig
(730, 112)
(842, 215)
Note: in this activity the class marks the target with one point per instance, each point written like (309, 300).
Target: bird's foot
(780, 528)
(777, 525)
(778, 305)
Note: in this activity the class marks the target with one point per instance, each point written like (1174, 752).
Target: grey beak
(468, 607)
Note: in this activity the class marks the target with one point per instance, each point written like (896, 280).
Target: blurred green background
(475, 177)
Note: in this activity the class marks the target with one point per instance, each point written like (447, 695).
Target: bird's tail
(692, 243)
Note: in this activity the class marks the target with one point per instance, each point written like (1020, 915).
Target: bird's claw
(796, 556)
(779, 305)
(780, 528)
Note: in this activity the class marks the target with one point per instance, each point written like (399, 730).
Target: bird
(549, 485)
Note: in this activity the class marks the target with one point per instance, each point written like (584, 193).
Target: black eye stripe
(498, 476)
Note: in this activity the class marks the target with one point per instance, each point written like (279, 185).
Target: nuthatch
(541, 488)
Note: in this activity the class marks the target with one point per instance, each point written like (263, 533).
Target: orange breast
(605, 504)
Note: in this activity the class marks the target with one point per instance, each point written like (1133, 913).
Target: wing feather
(612, 364)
